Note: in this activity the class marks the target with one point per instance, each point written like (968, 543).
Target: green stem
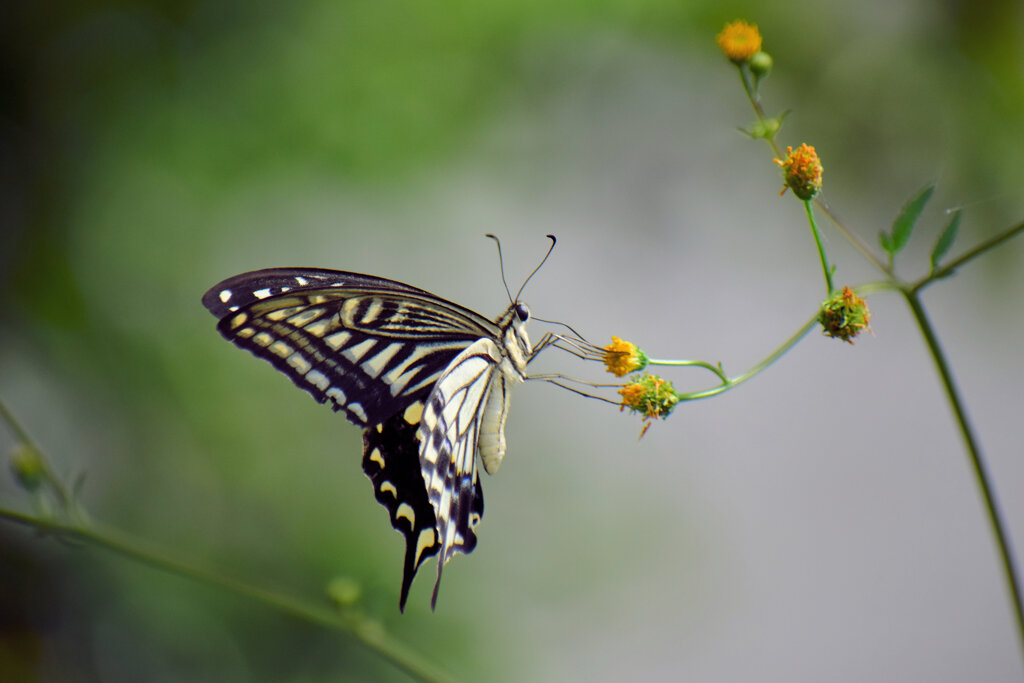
(755, 103)
(366, 631)
(850, 237)
(716, 369)
(821, 248)
(964, 258)
(739, 379)
(978, 463)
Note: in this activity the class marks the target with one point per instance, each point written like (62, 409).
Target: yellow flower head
(801, 171)
(845, 315)
(739, 41)
(650, 396)
(623, 357)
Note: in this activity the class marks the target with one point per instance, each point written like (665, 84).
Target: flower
(739, 41)
(650, 396)
(845, 315)
(623, 357)
(801, 171)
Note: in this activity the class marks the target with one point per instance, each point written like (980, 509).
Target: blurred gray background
(819, 523)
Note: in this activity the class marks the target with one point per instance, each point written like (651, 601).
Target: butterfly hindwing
(450, 430)
(391, 460)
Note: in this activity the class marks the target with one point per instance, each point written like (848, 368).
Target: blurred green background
(818, 524)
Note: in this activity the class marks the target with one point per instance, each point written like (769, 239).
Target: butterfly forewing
(368, 346)
(423, 375)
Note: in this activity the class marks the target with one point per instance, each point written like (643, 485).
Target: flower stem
(964, 258)
(690, 363)
(365, 630)
(821, 248)
(774, 356)
(980, 470)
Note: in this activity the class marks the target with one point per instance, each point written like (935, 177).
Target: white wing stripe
(449, 434)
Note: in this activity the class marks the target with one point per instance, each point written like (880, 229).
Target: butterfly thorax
(516, 350)
(516, 342)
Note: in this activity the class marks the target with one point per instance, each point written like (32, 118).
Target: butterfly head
(514, 337)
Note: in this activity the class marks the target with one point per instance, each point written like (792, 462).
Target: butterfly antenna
(542, 261)
(565, 325)
(501, 265)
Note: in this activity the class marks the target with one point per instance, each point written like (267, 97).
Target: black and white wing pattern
(427, 379)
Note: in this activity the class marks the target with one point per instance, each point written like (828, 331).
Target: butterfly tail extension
(391, 461)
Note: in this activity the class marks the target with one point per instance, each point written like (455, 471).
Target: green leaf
(904, 223)
(945, 240)
(885, 241)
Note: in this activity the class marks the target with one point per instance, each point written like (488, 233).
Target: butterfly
(426, 378)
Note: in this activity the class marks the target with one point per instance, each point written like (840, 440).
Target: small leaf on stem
(904, 223)
(945, 240)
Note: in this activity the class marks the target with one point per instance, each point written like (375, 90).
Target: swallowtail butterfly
(426, 378)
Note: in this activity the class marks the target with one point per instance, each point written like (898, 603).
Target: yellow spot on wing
(374, 366)
(376, 457)
(356, 353)
(357, 410)
(336, 341)
(426, 539)
(301, 318)
(320, 327)
(300, 363)
(318, 379)
(405, 510)
(372, 311)
(281, 349)
(281, 313)
(414, 413)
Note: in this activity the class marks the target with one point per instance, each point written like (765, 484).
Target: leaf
(885, 241)
(904, 223)
(945, 240)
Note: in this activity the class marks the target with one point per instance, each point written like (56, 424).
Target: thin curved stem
(368, 632)
(755, 103)
(821, 249)
(981, 474)
(774, 356)
(985, 246)
(711, 367)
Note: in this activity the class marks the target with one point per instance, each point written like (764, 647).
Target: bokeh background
(819, 523)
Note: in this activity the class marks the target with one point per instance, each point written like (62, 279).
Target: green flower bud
(28, 467)
(760, 64)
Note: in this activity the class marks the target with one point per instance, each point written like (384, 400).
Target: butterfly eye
(522, 312)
